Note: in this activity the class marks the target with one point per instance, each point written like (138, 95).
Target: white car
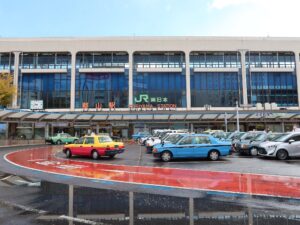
(281, 148)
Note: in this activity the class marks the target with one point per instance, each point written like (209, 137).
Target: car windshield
(281, 138)
(260, 137)
(272, 137)
(104, 139)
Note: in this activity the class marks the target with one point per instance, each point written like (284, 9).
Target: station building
(122, 85)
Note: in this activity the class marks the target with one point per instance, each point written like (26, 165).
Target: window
(202, 140)
(80, 141)
(187, 141)
(295, 138)
(105, 139)
(89, 140)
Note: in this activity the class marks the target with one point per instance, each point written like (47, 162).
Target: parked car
(245, 139)
(250, 147)
(94, 146)
(168, 137)
(282, 148)
(61, 138)
(139, 135)
(192, 146)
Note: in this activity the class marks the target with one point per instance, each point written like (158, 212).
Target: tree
(7, 89)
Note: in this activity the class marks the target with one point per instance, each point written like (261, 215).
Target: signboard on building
(149, 103)
(36, 104)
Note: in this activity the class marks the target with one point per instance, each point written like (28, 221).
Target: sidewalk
(14, 143)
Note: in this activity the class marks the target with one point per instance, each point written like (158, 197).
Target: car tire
(58, 142)
(213, 155)
(166, 156)
(95, 155)
(282, 154)
(112, 156)
(68, 153)
(253, 151)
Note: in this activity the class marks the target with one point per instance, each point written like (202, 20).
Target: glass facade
(159, 87)
(52, 88)
(102, 88)
(102, 60)
(215, 60)
(217, 89)
(269, 87)
(7, 61)
(96, 88)
(45, 60)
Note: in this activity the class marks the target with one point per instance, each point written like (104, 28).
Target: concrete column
(73, 80)
(16, 79)
(7, 131)
(192, 127)
(244, 77)
(97, 129)
(191, 210)
(47, 130)
(71, 201)
(188, 80)
(131, 208)
(130, 79)
(282, 127)
(297, 59)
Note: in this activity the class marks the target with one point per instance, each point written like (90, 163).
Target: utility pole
(225, 117)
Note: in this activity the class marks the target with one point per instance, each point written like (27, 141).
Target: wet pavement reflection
(52, 203)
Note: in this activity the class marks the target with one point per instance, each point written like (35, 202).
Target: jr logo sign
(142, 98)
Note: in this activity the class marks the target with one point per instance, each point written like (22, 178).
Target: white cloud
(220, 4)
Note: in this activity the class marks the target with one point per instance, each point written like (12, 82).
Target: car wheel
(282, 154)
(254, 151)
(95, 154)
(58, 142)
(213, 155)
(68, 153)
(166, 156)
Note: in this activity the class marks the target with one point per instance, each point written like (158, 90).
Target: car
(192, 146)
(250, 146)
(139, 135)
(282, 148)
(94, 146)
(245, 139)
(61, 138)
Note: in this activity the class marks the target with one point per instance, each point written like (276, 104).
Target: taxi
(94, 146)
(192, 146)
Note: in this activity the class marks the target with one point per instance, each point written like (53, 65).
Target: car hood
(269, 143)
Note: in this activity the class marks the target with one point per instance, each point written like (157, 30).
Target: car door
(294, 147)
(88, 146)
(184, 148)
(76, 148)
(201, 146)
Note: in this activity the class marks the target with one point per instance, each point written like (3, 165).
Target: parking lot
(136, 155)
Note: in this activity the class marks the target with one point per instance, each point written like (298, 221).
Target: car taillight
(107, 147)
(154, 150)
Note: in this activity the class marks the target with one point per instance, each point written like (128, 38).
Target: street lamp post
(237, 117)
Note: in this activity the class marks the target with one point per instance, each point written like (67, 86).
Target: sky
(93, 18)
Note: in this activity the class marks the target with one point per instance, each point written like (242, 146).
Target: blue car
(192, 146)
(139, 135)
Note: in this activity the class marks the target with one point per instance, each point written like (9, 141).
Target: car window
(89, 140)
(63, 135)
(187, 141)
(104, 139)
(67, 135)
(295, 138)
(201, 140)
(80, 141)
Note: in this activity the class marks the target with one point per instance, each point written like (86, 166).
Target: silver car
(282, 148)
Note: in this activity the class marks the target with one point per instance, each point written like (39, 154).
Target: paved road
(136, 155)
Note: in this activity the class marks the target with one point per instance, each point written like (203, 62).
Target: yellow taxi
(94, 146)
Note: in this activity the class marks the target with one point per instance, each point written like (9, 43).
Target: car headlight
(272, 147)
(244, 146)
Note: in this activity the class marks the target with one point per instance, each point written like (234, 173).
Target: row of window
(215, 89)
(149, 59)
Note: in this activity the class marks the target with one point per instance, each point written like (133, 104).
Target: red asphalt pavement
(44, 160)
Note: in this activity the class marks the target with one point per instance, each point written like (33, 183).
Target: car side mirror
(162, 143)
(291, 141)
